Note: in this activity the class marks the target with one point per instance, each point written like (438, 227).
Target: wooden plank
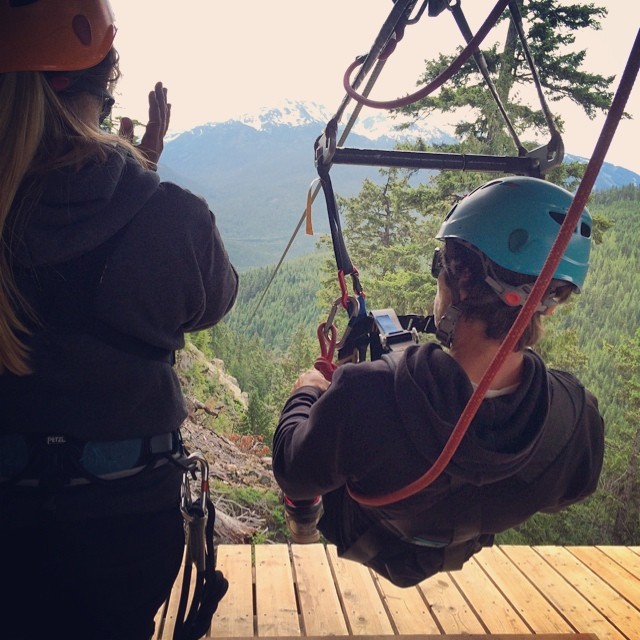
(502, 636)
(625, 557)
(360, 599)
(492, 607)
(609, 602)
(407, 607)
(319, 603)
(234, 617)
(580, 613)
(451, 610)
(624, 582)
(159, 621)
(276, 607)
(521, 594)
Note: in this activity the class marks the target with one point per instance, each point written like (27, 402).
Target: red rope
(542, 282)
(324, 362)
(446, 75)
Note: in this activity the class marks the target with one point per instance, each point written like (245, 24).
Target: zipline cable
(352, 120)
(542, 282)
(401, 9)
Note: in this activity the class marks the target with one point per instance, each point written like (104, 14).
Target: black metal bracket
(535, 164)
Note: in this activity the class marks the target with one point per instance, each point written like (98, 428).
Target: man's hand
(152, 141)
(311, 378)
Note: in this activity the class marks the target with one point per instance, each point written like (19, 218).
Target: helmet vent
(584, 229)
(82, 29)
(517, 240)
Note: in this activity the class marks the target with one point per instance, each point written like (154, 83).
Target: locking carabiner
(353, 308)
(195, 511)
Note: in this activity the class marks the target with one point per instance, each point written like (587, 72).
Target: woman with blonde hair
(103, 270)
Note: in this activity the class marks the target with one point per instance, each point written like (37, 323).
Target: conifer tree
(550, 27)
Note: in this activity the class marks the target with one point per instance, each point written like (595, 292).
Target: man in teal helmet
(535, 444)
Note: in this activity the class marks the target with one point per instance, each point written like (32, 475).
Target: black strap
(211, 586)
(343, 261)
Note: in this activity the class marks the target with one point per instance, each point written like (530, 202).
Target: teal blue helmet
(515, 220)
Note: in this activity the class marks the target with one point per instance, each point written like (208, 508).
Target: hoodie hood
(432, 391)
(82, 208)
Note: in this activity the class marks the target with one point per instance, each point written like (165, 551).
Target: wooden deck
(504, 592)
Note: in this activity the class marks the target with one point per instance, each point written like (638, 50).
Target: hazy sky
(223, 59)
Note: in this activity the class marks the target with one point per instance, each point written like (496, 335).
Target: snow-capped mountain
(288, 114)
(373, 126)
(255, 171)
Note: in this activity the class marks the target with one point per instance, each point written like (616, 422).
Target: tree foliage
(550, 27)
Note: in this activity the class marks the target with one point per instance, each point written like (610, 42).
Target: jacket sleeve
(173, 263)
(312, 442)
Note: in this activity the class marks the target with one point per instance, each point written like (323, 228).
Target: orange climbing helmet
(54, 35)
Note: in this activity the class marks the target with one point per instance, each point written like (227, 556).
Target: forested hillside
(290, 302)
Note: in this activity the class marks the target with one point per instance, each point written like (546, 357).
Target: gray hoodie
(118, 266)
(378, 428)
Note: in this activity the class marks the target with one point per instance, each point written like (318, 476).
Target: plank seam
(385, 604)
(535, 586)
(466, 599)
(334, 576)
(296, 591)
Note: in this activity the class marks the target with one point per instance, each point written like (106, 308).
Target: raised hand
(152, 142)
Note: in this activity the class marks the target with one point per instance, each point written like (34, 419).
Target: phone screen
(387, 324)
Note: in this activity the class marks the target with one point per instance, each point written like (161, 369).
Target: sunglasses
(436, 263)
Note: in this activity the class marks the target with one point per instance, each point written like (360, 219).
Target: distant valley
(255, 172)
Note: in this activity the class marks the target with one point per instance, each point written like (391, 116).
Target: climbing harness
(52, 461)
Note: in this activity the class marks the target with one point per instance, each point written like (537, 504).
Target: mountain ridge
(255, 172)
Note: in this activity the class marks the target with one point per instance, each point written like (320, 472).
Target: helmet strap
(447, 325)
(516, 295)
(512, 295)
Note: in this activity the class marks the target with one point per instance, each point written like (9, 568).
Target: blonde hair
(39, 131)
